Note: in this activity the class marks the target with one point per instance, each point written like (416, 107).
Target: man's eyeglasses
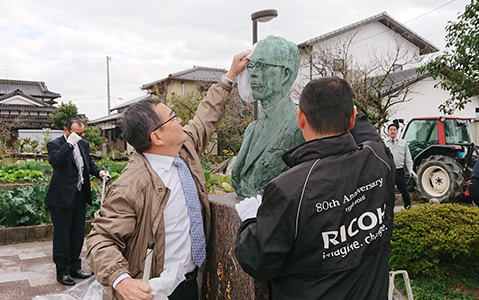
(79, 133)
(172, 117)
(259, 65)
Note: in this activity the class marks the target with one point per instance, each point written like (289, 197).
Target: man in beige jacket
(151, 202)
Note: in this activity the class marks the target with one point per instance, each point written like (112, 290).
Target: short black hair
(393, 124)
(327, 104)
(138, 121)
(72, 121)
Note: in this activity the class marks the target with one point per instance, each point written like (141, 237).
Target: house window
(182, 89)
(397, 67)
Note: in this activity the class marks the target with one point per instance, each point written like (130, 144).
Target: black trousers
(68, 234)
(402, 187)
(188, 289)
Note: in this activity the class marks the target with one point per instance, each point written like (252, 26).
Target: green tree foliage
(458, 68)
(62, 113)
(435, 240)
(184, 106)
(238, 115)
(92, 134)
(230, 131)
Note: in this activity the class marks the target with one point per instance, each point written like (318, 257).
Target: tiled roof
(111, 117)
(424, 46)
(194, 74)
(20, 93)
(30, 88)
(129, 102)
(27, 108)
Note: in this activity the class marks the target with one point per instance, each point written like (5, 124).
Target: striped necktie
(198, 242)
(79, 163)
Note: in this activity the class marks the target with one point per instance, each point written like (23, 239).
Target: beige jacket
(132, 213)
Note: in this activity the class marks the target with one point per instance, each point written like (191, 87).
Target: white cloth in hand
(413, 174)
(73, 138)
(105, 175)
(248, 208)
(169, 279)
(244, 82)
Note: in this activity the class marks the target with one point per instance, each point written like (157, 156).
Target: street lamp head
(264, 15)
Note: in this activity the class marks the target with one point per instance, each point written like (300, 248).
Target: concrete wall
(40, 135)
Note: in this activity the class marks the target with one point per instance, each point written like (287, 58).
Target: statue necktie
(79, 163)
(198, 243)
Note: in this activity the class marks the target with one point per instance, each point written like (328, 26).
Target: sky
(65, 43)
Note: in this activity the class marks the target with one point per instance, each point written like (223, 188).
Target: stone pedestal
(224, 278)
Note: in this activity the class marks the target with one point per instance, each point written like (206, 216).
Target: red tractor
(444, 156)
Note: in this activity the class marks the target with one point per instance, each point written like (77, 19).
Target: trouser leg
(185, 292)
(77, 231)
(402, 187)
(61, 219)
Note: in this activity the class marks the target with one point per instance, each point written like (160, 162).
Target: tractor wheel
(440, 177)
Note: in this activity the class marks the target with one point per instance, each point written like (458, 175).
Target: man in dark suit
(67, 196)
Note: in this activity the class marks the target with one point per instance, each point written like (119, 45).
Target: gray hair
(138, 121)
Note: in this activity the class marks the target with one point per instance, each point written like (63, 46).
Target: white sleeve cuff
(120, 278)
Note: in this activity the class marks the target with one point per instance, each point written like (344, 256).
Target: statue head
(273, 69)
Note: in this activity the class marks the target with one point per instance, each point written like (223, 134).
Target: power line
(418, 17)
(91, 78)
(430, 11)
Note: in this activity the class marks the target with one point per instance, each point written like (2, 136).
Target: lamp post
(260, 16)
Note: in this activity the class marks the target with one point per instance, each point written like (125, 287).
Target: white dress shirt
(176, 220)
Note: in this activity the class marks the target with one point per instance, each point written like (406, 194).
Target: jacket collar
(320, 148)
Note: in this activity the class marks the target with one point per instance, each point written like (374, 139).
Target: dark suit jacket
(62, 190)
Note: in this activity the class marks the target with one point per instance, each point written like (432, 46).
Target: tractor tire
(440, 177)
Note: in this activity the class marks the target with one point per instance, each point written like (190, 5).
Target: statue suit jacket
(260, 161)
(62, 190)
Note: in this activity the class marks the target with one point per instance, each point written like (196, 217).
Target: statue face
(266, 77)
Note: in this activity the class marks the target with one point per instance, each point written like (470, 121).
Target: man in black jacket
(323, 228)
(67, 196)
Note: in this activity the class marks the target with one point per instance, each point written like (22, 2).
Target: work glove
(73, 138)
(413, 174)
(105, 175)
(248, 207)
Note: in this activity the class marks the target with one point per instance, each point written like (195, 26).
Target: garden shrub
(27, 175)
(43, 166)
(23, 206)
(434, 240)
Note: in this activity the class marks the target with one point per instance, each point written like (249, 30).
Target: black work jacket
(324, 227)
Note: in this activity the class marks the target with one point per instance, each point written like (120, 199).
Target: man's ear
(156, 139)
(352, 120)
(301, 118)
(286, 75)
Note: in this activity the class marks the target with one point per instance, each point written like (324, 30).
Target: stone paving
(27, 270)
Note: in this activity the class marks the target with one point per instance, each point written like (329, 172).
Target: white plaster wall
(425, 100)
(368, 44)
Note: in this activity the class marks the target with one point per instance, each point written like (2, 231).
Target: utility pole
(108, 81)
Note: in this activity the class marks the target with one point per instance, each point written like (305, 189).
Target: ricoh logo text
(366, 221)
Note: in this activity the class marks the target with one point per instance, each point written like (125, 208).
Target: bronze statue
(273, 69)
